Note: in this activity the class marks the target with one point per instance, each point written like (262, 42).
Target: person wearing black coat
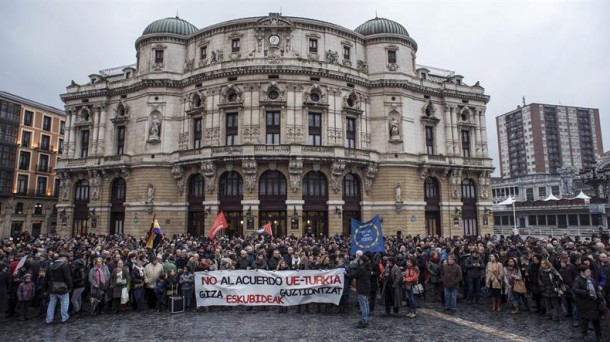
(4, 283)
(587, 295)
(362, 274)
(78, 279)
(532, 283)
(60, 285)
(375, 273)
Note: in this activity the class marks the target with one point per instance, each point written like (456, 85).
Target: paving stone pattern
(470, 323)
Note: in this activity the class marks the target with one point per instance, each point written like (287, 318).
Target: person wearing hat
(25, 295)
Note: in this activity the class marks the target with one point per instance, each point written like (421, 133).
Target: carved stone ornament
(249, 169)
(121, 112)
(209, 171)
(398, 193)
(392, 66)
(216, 56)
(332, 57)
(178, 173)
(150, 193)
(295, 168)
(362, 66)
(456, 180)
(95, 180)
(65, 184)
(337, 169)
(428, 109)
(484, 184)
(231, 95)
(424, 173)
(394, 126)
(369, 176)
(124, 173)
(189, 65)
(154, 133)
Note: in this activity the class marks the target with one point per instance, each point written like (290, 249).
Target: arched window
(431, 188)
(196, 185)
(272, 183)
(196, 100)
(19, 208)
(38, 209)
(118, 190)
(314, 184)
(82, 191)
(468, 189)
(351, 186)
(231, 184)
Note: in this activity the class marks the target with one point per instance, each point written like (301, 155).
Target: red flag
(266, 229)
(220, 223)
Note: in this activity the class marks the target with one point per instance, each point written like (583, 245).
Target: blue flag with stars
(367, 236)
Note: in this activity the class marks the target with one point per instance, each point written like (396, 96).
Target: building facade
(31, 141)
(541, 139)
(297, 122)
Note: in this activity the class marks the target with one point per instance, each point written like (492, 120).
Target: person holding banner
(362, 274)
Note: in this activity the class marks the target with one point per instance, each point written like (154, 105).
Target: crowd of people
(559, 277)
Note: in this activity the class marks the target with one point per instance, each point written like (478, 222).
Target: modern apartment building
(542, 138)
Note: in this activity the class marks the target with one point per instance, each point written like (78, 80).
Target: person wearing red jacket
(411, 278)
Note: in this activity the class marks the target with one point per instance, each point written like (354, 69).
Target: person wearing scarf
(99, 278)
(587, 296)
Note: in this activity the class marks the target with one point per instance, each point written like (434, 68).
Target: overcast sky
(555, 52)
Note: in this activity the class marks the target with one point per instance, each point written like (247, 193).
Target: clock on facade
(274, 39)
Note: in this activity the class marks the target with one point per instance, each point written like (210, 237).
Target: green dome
(170, 25)
(381, 25)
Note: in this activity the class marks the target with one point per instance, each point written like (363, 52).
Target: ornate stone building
(293, 121)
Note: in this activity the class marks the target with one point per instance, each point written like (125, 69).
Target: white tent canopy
(507, 201)
(551, 197)
(582, 195)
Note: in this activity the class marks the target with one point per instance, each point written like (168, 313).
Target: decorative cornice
(283, 70)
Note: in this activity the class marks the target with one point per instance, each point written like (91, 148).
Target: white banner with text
(283, 288)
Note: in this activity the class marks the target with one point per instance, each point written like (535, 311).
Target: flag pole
(515, 231)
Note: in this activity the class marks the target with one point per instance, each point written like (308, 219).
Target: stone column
(483, 126)
(454, 128)
(67, 129)
(102, 131)
(96, 126)
(477, 135)
(72, 134)
(448, 132)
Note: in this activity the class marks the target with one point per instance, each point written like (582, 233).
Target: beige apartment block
(30, 190)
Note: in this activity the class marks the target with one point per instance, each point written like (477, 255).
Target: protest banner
(259, 287)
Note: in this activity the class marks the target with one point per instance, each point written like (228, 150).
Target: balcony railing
(44, 168)
(34, 193)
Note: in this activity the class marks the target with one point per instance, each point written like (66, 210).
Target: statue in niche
(150, 195)
(398, 193)
(155, 129)
(394, 130)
